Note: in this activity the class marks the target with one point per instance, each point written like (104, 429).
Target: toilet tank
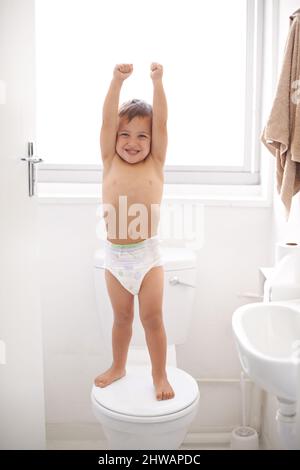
(178, 298)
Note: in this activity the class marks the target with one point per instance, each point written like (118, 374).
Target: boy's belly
(131, 206)
(131, 221)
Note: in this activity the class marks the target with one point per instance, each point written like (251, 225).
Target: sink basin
(267, 336)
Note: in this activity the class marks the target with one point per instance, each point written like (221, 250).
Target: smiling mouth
(132, 152)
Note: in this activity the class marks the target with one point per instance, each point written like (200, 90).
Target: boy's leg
(122, 302)
(150, 306)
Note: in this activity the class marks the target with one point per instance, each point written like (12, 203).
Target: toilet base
(126, 441)
(168, 435)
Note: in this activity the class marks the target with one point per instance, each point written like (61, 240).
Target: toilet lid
(134, 394)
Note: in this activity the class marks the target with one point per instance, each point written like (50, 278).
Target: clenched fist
(123, 71)
(156, 71)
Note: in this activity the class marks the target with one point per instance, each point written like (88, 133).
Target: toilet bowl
(128, 410)
(132, 417)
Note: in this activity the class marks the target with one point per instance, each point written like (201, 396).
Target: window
(211, 59)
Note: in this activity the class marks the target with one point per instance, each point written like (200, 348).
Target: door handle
(31, 168)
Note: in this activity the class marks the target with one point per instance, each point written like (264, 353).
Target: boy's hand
(156, 71)
(122, 71)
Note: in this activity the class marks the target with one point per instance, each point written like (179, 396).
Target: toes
(165, 395)
(100, 383)
(169, 395)
(161, 395)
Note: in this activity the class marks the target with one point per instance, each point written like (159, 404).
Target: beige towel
(282, 132)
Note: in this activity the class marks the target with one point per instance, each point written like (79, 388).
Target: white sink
(267, 336)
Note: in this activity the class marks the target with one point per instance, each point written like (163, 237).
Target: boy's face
(134, 139)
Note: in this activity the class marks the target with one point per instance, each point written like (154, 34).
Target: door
(22, 417)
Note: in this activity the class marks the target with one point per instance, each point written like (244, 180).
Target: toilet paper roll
(286, 248)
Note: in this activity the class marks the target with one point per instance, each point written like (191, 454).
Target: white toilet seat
(132, 398)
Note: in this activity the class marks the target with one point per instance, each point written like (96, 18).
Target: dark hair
(135, 107)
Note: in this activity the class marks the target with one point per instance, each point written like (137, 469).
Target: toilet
(130, 414)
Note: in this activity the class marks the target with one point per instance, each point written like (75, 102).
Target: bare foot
(109, 376)
(164, 391)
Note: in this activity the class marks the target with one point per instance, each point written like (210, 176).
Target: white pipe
(258, 396)
(288, 414)
(287, 425)
(219, 380)
(243, 394)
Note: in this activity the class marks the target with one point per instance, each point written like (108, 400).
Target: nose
(132, 143)
(132, 140)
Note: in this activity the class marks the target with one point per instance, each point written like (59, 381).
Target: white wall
(236, 245)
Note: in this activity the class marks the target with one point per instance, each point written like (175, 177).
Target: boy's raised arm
(159, 140)
(109, 126)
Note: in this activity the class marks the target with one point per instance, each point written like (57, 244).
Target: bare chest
(141, 183)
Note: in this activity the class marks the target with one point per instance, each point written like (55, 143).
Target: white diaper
(130, 263)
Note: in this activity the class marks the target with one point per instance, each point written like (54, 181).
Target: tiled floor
(102, 445)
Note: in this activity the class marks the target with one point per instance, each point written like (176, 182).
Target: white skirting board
(91, 431)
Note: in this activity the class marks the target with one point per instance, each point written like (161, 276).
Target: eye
(143, 136)
(124, 133)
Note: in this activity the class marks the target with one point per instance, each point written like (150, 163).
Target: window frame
(246, 174)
